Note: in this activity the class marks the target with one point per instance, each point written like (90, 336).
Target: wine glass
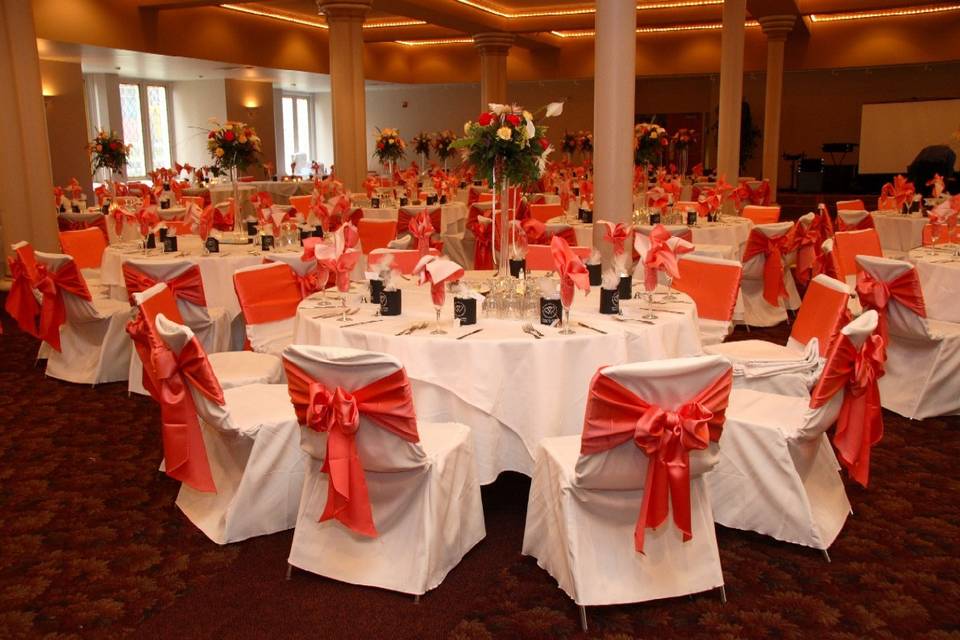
(438, 293)
(567, 329)
(670, 296)
(650, 314)
(343, 286)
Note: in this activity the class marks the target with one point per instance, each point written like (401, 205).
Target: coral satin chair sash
(387, 402)
(184, 454)
(121, 217)
(807, 242)
(865, 223)
(876, 294)
(187, 286)
(860, 423)
(405, 217)
(21, 304)
(615, 415)
(772, 249)
(316, 279)
(51, 285)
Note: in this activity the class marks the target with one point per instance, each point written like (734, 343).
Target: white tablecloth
(511, 389)
(453, 216)
(939, 273)
(899, 232)
(216, 270)
(732, 233)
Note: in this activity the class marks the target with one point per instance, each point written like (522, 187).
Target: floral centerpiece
(585, 141)
(233, 145)
(421, 144)
(569, 144)
(506, 146)
(649, 141)
(390, 146)
(107, 151)
(682, 140)
(441, 144)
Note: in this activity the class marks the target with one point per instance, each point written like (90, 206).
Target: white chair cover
(93, 341)
(923, 355)
(583, 509)
(756, 310)
(253, 449)
(424, 496)
(777, 473)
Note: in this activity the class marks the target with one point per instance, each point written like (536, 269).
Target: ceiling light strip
(708, 26)
(439, 41)
(316, 23)
(882, 13)
(676, 4)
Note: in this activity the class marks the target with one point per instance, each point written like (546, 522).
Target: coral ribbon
(860, 422)
(876, 294)
(615, 414)
(661, 257)
(188, 286)
(772, 249)
(387, 403)
(184, 454)
(51, 285)
(21, 304)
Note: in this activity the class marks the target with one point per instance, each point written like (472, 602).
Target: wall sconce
(47, 99)
(252, 111)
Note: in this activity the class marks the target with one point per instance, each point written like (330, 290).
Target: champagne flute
(566, 330)
(438, 293)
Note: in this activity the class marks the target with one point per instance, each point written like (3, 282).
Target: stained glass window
(159, 126)
(133, 128)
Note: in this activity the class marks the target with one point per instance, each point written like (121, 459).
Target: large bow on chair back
(573, 274)
(772, 249)
(483, 244)
(616, 235)
(807, 241)
(615, 415)
(21, 303)
(387, 403)
(187, 286)
(860, 423)
(51, 285)
(338, 257)
(659, 251)
(184, 454)
(876, 294)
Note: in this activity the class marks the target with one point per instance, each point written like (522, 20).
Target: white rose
(504, 133)
(466, 127)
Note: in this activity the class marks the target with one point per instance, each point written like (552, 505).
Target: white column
(615, 64)
(493, 48)
(26, 179)
(347, 91)
(731, 89)
(776, 28)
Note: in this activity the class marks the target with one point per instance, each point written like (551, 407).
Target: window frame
(145, 122)
(311, 127)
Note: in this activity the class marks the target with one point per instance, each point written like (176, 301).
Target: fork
(528, 329)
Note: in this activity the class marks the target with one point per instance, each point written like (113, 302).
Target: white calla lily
(530, 129)
(554, 109)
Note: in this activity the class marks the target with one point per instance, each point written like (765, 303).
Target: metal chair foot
(416, 599)
(825, 554)
(723, 594)
(583, 618)
(289, 570)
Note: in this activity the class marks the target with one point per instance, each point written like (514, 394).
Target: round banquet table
(899, 232)
(453, 216)
(732, 232)
(939, 272)
(511, 389)
(216, 270)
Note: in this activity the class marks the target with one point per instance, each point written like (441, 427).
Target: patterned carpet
(91, 546)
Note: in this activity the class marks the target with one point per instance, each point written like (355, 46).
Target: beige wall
(240, 95)
(194, 103)
(66, 123)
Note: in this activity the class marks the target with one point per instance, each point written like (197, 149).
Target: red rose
(664, 142)
(211, 135)
(544, 143)
(228, 136)
(514, 119)
(113, 146)
(485, 119)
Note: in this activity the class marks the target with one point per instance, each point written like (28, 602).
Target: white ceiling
(149, 66)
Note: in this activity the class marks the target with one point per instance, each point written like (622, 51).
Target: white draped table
(899, 232)
(453, 216)
(216, 270)
(510, 388)
(939, 273)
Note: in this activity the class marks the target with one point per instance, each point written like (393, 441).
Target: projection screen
(892, 133)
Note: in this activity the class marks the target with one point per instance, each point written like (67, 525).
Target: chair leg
(416, 599)
(825, 554)
(723, 594)
(289, 570)
(583, 618)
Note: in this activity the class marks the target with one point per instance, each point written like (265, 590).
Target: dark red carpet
(91, 546)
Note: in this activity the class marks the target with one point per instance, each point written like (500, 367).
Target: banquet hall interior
(479, 319)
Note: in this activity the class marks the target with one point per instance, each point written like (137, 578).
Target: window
(297, 133)
(149, 136)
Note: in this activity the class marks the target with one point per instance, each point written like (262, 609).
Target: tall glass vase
(237, 208)
(501, 217)
(684, 156)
